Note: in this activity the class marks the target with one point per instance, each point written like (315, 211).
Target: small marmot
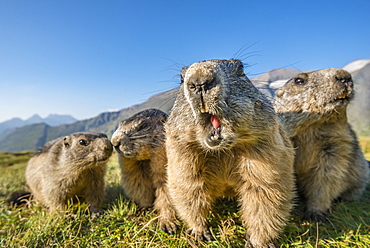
(70, 166)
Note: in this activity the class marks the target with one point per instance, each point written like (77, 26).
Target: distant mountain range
(10, 126)
(31, 137)
(51, 120)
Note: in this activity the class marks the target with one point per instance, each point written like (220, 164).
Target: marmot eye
(299, 81)
(240, 71)
(83, 142)
(143, 126)
(192, 86)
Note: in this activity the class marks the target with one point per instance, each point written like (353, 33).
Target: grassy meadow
(123, 225)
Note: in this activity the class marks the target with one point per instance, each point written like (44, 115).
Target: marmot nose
(109, 147)
(115, 141)
(344, 78)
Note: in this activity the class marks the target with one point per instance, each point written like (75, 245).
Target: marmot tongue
(215, 122)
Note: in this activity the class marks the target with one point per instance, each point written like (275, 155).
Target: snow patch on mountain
(356, 65)
(278, 83)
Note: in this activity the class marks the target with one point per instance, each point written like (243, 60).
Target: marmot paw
(201, 235)
(249, 244)
(316, 216)
(168, 226)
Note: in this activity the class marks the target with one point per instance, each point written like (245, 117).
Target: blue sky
(87, 57)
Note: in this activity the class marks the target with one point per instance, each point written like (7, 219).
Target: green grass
(123, 226)
(365, 146)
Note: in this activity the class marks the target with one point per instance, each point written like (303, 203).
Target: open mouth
(215, 132)
(343, 95)
(214, 138)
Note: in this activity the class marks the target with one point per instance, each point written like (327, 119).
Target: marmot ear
(67, 142)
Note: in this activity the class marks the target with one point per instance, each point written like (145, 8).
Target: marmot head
(86, 148)
(137, 136)
(318, 92)
(224, 103)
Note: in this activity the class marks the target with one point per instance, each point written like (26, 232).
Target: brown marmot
(223, 136)
(70, 166)
(329, 163)
(139, 141)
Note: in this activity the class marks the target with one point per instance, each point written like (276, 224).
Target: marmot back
(70, 166)
(329, 163)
